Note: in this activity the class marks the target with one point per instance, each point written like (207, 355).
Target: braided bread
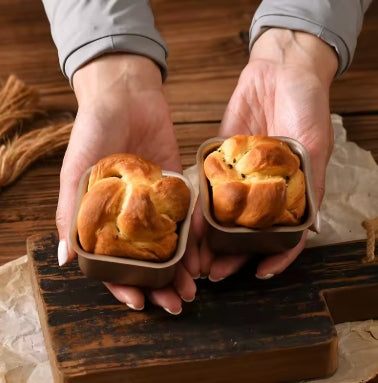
(131, 210)
(256, 181)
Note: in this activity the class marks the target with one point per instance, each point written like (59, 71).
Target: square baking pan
(127, 271)
(238, 239)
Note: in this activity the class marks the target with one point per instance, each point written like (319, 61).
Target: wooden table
(197, 97)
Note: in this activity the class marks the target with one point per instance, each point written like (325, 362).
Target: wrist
(115, 74)
(297, 49)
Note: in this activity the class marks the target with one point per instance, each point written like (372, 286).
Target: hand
(283, 91)
(122, 108)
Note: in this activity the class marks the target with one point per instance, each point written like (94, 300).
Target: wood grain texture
(28, 206)
(197, 97)
(237, 328)
(206, 56)
(206, 60)
(27, 50)
(363, 129)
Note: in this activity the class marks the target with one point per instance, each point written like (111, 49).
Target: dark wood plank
(205, 59)
(363, 129)
(27, 207)
(27, 50)
(269, 331)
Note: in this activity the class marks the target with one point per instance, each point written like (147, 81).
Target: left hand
(122, 108)
(283, 91)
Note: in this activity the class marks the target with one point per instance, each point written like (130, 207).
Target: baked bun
(131, 210)
(256, 182)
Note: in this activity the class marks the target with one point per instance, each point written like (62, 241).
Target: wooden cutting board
(241, 329)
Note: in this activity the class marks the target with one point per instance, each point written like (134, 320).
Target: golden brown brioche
(131, 210)
(256, 182)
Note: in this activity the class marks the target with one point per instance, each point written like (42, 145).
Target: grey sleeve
(337, 22)
(85, 29)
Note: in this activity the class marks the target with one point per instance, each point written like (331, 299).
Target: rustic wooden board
(241, 329)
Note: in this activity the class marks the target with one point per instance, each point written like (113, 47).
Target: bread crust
(256, 181)
(130, 209)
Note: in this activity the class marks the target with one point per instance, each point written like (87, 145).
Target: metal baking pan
(127, 271)
(236, 240)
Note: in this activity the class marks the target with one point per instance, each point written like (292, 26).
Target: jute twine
(371, 227)
(18, 103)
(20, 152)
(21, 143)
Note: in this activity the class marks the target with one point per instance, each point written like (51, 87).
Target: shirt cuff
(265, 22)
(127, 43)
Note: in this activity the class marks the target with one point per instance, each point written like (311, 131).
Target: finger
(184, 284)
(131, 296)
(166, 298)
(75, 163)
(226, 265)
(318, 174)
(64, 214)
(276, 264)
(236, 118)
(206, 259)
(319, 154)
(198, 221)
(191, 257)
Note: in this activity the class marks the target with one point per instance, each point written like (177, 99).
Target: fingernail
(62, 252)
(197, 276)
(133, 307)
(212, 279)
(188, 300)
(266, 276)
(203, 276)
(173, 312)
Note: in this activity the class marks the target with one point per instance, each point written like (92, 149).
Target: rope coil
(20, 147)
(371, 227)
(18, 103)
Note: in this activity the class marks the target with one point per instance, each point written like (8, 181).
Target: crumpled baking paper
(351, 192)
(23, 356)
(351, 197)
(358, 353)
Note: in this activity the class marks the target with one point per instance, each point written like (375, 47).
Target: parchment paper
(351, 196)
(351, 192)
(23, 356)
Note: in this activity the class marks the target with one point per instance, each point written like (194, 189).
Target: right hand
(282, 91)
(122, 108)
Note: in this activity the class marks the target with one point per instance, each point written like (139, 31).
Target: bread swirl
(256, 181)
(131, 210)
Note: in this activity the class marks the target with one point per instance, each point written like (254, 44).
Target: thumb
(238, 113)
(69, 182)
(319, 158)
